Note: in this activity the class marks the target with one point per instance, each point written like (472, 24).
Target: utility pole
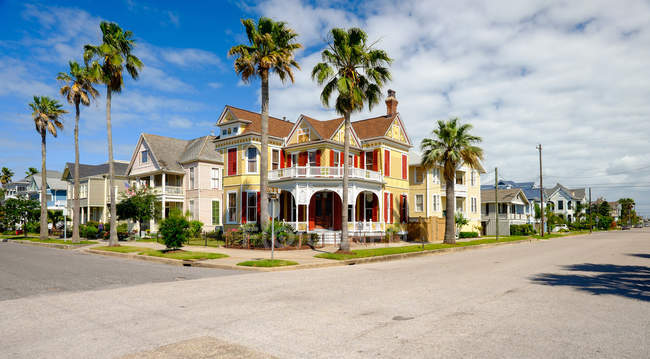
(541, 190)
(496, 198)
(591, 226)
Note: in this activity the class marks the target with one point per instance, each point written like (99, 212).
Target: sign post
(65, 223)
(274, 194)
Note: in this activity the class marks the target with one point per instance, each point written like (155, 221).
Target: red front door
(323, 210)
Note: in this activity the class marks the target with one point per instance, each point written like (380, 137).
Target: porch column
(162, 205)
(163, 182)
(295, 198)
(152, 181)
(87, 214)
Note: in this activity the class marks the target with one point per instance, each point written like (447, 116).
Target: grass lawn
(267, 263)
(364, 253)
(561, 234)
(192, 242)
(58, 241)
(183, 255)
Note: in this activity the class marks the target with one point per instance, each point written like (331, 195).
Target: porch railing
(323, 172)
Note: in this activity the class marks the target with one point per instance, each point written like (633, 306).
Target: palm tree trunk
(75, 204)
(264, 154)
(111, 170)
(450, 210)
(345, 242)
(44, 232)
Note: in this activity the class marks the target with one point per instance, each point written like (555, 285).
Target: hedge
(468, 235)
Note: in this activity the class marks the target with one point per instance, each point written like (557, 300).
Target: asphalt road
(32, 270)
(580, 297)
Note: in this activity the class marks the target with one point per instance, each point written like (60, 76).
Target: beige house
(94, 193)
(512, 210)
(184, 174)
(427, 192)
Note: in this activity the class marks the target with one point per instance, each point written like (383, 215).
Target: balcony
(323, 173)
(169, 190)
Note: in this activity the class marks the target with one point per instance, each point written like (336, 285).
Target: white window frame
(311, 153)
(415, 175)
(337, 158)
(215, 181)
(436, 203)
(144, 156)
(192, 184)
(294, 160)
(218, 214)
(302, 132)
(228, 208)
(419, 207)
(473, 178)
(275, 164)
(436, 175)
(248, 160)
(248, 207)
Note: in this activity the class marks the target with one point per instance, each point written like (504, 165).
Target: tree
(604, 209)
(460, 221)
(452, 146)
(627, 206)
(77, 89)
(46, 114)
(31, 171)
(271, 47)
(356, 71)
(138, 205)
(21, 211)
(6, 175)
(113, 56)
(538, 211)
(174, 230)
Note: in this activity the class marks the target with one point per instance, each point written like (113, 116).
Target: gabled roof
(505, 195)
(166, 151)
(324, 129)
(277, 127)
(201, 149)
(373, 127)
(86, 170)
(53, 182)
(576, 193)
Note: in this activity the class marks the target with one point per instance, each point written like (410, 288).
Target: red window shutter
(386, 207)
(232, 162)
(362, 164)
(258, 208)
(375, 207)
(390, 215)
(386, 162)
(341, 159)
(356, 161)
(243, 207)
(375, 160)
(318, 158)
(289, 160)
(312, 212)
(331, 158)
(404, 167)
(281, 158)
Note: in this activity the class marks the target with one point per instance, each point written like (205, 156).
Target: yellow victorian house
(306, 165)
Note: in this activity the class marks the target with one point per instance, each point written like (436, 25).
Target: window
(232, 161)
(419, 174)
(215, 178)
(252, 160)
(436, 202)
(460, 177)
(460, 205)
(275, 159)
(312, 159)
(251, 207)
(473, 178)
(436, 175)
(419, 203)
(192, 209)
(232, 207)
(473, 205)
(144, 157)
(350, 217)
(337, 159)
(560, 204)
(216, 213)
(350, 161)
(303, 134)
(568, 204)
(369, 161)
(294, 159)
(192, 180)
(403, 209)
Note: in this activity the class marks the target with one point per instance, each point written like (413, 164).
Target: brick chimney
(391, 103)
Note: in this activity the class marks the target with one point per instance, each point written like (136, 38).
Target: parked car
(638, 225)
(560, 227)
(625, 227)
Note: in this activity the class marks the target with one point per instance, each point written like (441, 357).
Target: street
(578, 297)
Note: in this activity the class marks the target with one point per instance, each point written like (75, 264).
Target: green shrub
(33, 227)
(521, 229)
(174, 231)
(217, 234)
(249, 228)
(257, 240)
(195, 228)
(88, 232)
(468, 235)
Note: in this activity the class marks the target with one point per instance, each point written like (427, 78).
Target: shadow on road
(622, 280)
(640, 255)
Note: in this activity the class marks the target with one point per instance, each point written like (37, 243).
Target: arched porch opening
(325, 211)
(367, 207)
(287, 207)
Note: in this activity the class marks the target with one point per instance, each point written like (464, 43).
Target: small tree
(138, 205)
(21, 211)
(174, 230)
(460, 221)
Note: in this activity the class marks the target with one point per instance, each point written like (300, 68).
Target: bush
(468, 235)
(33, 227)
(88, 232)
(249, 228)
(194, 229)
(521, 229)
(174, 231)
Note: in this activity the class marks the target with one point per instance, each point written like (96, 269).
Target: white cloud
(190, 57)
(179, 122)
(215, 85)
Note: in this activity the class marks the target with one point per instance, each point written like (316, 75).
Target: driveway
(581, 297)
(32, 270)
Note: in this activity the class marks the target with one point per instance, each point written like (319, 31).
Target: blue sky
(570, 75)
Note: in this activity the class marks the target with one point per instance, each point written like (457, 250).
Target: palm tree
(31, 171)
(271, 47)
(6, 175)
(113, 55)
(46, 113)
(77, 89)
(452, 146)
(356, 71)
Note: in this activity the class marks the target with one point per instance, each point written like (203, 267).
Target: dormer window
(144, 156)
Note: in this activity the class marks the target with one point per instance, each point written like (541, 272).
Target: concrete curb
(332, 263)
(51, 245)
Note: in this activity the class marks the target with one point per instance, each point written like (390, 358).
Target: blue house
(56, 190)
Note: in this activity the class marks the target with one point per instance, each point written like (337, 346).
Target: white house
(564, 201)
